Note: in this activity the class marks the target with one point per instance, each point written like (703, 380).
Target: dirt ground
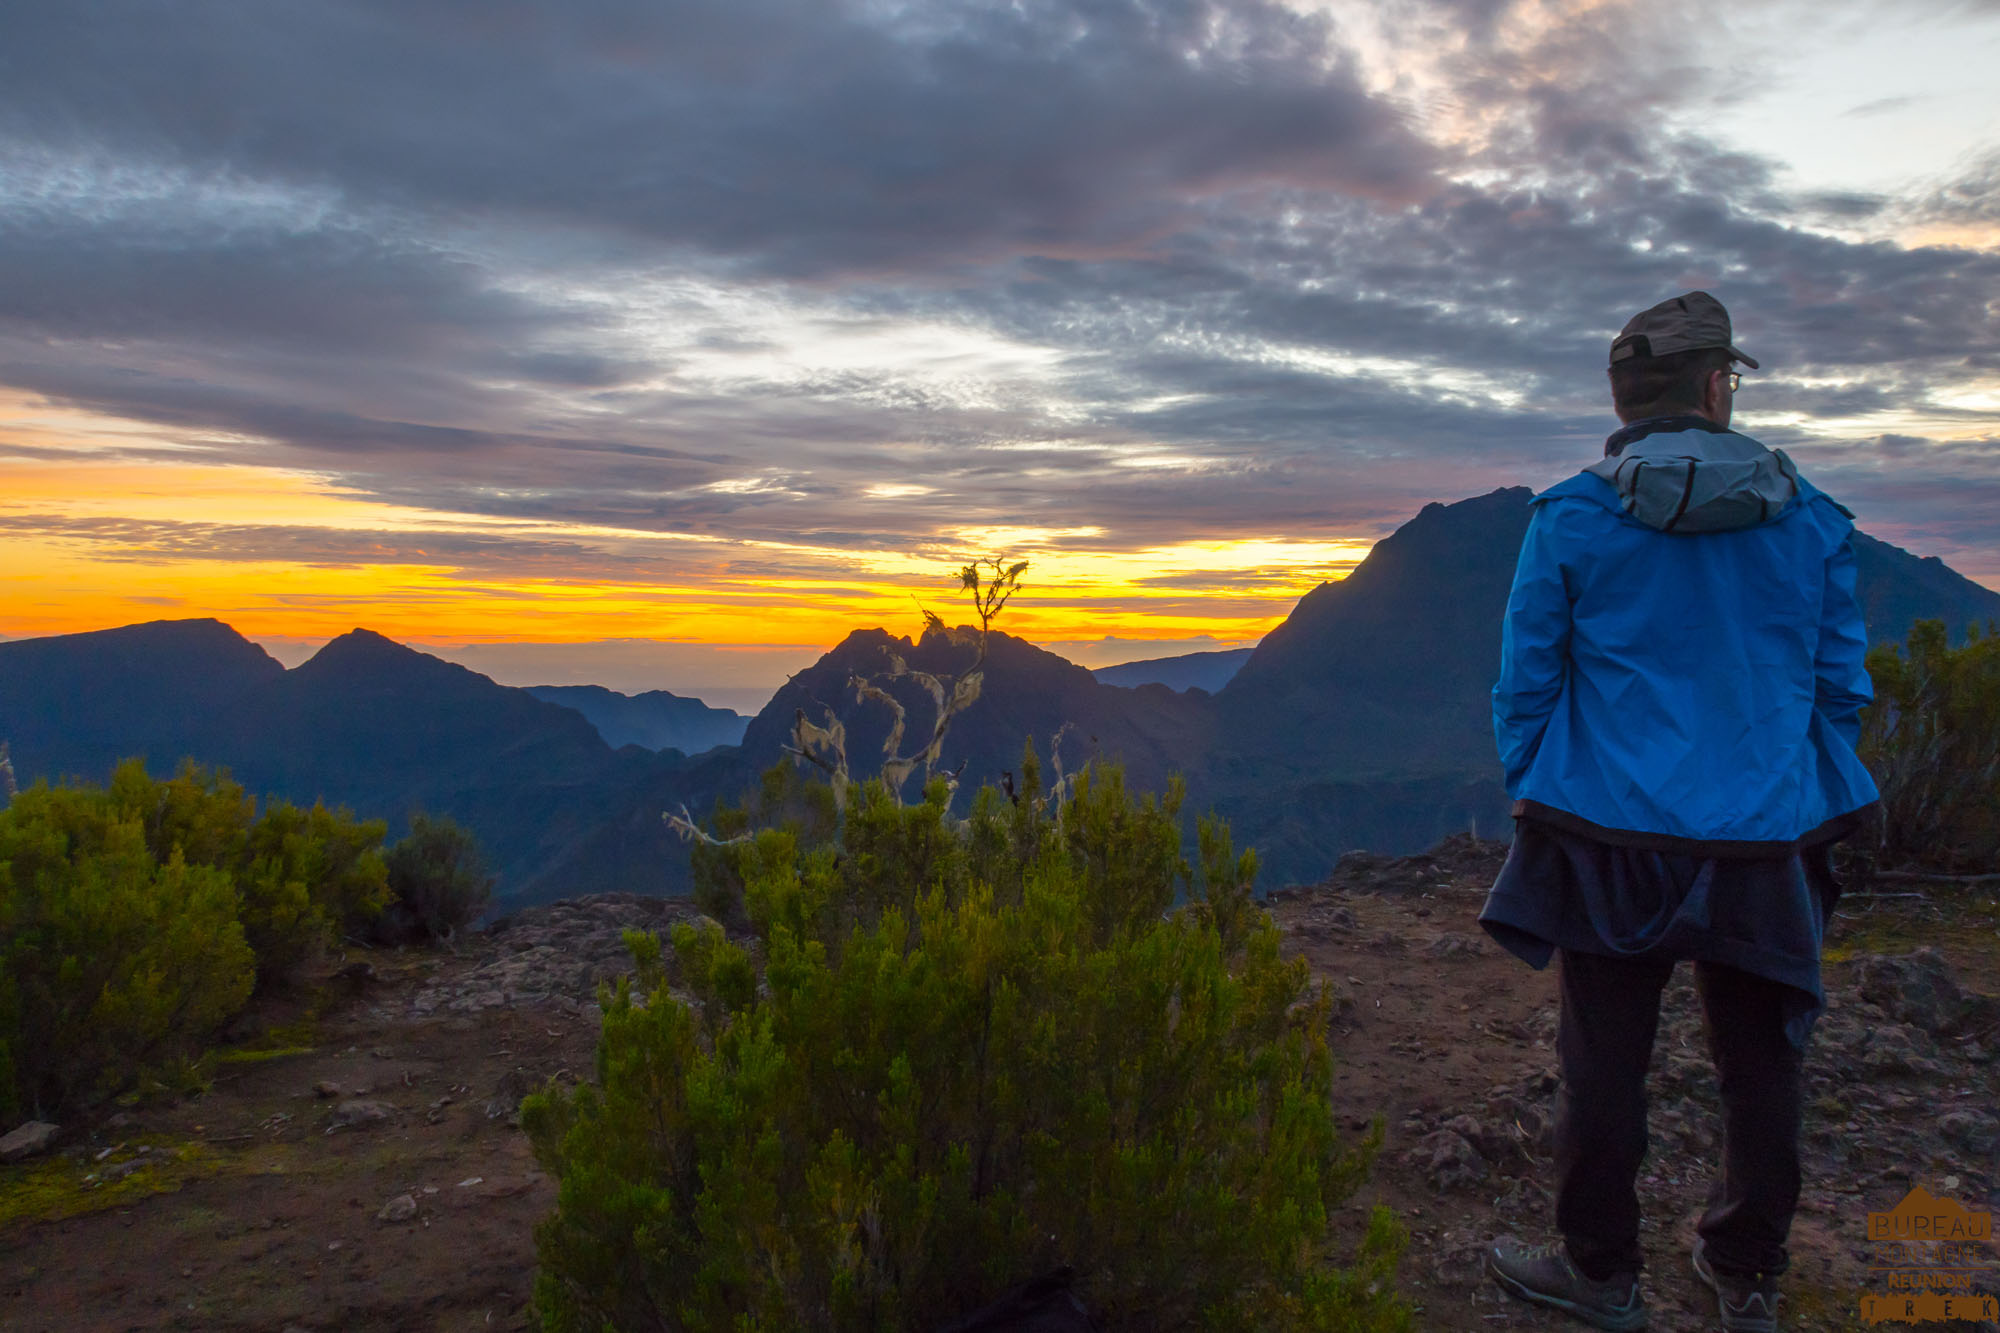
(270, 1202)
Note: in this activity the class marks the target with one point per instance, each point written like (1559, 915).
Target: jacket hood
(1699, 480)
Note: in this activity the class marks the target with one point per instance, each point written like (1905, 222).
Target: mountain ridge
(1360, 722)
(652, 720)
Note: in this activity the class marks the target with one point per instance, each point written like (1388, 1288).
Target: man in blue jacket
(1680, 694)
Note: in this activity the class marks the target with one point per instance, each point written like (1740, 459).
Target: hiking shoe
(1749, 1305)
(1545, 1275)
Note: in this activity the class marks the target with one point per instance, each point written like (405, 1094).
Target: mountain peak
(362, 655)
(365, 645)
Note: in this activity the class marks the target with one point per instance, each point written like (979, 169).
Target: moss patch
(63, 1187)
(1820, 1307)
(248, 1056)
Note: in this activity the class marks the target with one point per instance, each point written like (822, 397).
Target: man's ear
(1715, 396)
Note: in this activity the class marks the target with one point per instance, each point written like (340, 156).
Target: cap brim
(1744, 357)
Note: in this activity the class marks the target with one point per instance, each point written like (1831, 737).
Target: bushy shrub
(974, 1052)
(786, 800)
(438, 882)
(1932, 740)
(112, 961)
(308, 877)
(135, 918)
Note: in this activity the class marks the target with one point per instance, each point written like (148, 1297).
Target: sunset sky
(660, 344)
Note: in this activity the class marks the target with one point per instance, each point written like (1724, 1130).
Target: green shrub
(787, 800)
(135, 917)
(976, 1052)
(308, 877)
(199, 812)
(1932, 740)
(113, 962)
(438, 882)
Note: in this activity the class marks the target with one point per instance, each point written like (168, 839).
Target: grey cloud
(1881, 105)
(1852, 207)
(319, 291)
(1971, 196)
(797, 139)
(128, 539)
(1199, 242)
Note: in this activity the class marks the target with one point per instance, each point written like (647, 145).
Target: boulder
(1899, 1050)
(1916, 988)
(355, 1114)
(27, 1140)
(1493, 1141)
(1972, 1131)
(1448, 1160)
(514, 1085)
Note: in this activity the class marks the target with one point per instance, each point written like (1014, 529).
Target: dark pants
(1610, 1010)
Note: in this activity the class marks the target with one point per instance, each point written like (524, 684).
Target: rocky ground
(355, 1165)
(1454, 1039)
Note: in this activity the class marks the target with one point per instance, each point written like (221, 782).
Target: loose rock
(1970, 1130)
(1455, 946)
(1449, 1161)
(556, 954)
(1915, 988)
(507, 1094)
(399, 1209)
(27, 1140)
(355, 1114)
(1899, 1050)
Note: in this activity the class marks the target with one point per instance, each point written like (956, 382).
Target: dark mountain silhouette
(366, 723)
(655, 720)
(74, 704)
(1365, 719)
(1189, 671)
(1898, 589)
(1361, 722)
(1371, 676)
(386, 729)
(1028, 693)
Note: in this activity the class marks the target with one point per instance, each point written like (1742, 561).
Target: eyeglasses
(1735, 381)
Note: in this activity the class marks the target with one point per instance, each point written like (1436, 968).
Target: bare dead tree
(992, 583)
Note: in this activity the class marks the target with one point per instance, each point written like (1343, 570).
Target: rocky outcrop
(558, 954)
(1460, 857)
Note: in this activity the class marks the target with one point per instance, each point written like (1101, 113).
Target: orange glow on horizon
(97, 537)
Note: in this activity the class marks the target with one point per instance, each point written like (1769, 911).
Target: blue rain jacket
(1682, 658)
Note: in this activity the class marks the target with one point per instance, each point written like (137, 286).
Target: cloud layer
(846, 284)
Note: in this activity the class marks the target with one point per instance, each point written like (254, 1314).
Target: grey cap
(1681, 324)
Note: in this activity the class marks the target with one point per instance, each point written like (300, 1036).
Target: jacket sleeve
(1534, 649)
(1841, 688)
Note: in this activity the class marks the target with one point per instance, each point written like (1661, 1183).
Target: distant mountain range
(655, 720)
(366, 723)
(1189, 671)
(1362, 721)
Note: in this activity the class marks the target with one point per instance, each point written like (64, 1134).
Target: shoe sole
(1740, 1323)
(1612, 1323)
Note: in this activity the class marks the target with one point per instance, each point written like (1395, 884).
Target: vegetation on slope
(976, 1052)
(1932, 740)
(136, 919)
